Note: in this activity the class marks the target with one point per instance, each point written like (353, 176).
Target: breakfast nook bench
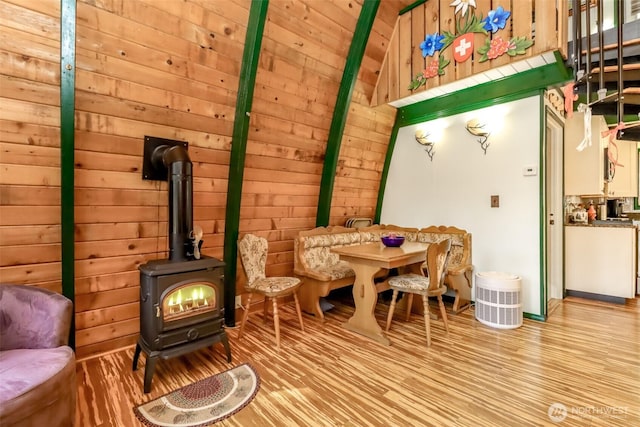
(322, 271)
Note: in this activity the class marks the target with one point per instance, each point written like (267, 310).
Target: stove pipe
(180, 179)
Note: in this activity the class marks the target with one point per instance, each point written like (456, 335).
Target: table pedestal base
(365, 297)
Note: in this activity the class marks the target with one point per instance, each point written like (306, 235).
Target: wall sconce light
(480, 129)
(423, 138)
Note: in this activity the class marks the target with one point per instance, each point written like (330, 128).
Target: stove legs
(148, 372)
(152, 356)
(149, 368)
(136, 355)
(225, 343)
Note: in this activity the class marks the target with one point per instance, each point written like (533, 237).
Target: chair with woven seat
(431, 285)
(253, 257)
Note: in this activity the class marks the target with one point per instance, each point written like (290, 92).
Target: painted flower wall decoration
(496, 19)
(434, 68)
(467, 22)
(498, 47)
(463, 5)
(431, 43)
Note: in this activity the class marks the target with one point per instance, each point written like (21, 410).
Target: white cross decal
(461, 49)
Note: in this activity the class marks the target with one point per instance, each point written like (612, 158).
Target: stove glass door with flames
(188, 300)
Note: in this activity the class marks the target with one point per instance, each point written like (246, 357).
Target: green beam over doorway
(248, 71)
(486, 94)
(67, 148)
(349, 78)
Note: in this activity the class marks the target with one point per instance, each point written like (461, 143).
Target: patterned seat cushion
(339, 270)
(273, 285)
(414, 283)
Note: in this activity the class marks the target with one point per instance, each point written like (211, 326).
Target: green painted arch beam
(67, 148)
(248, 71)
(341, 110)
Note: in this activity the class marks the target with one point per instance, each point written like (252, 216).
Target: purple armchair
(37, 367)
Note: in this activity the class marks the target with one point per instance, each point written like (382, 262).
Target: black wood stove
(181, 298)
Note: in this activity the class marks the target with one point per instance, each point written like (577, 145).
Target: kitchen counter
(602, 223)
(600, 261)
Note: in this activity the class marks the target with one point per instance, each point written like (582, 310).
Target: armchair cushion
(31, 317)
(37, 368)
(30, 369)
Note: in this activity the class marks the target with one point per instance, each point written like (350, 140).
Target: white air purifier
(498, 299)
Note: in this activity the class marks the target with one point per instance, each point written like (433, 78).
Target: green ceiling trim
(349, 78)
(506, 89)
(385, 169)
(67, 148)
(412, 6)
(248, 71)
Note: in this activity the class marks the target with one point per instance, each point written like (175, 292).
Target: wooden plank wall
(303, 49)
(366, 135)
(171, 69)
(304, 52)
(30, 143)
(404, 61)
(164, 69)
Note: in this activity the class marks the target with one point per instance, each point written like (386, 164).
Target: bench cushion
(317, 249)
(339, 270)
(457, 244)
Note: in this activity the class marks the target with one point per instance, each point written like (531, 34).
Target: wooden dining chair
(253, 257)
(431, 285)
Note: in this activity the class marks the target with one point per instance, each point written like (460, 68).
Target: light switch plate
(495, 201)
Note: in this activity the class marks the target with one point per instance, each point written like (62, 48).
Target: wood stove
(181, 298)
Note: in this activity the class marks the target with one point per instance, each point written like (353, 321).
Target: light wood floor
(586, 357)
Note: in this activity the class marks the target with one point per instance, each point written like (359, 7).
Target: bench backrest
(313, 247)
(460, 242)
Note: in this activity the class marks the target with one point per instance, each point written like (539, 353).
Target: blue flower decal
(432, 43)
(496, 19)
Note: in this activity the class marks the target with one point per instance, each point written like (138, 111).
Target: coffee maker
(614, 208)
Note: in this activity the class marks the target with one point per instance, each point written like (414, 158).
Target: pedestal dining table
(366, 260)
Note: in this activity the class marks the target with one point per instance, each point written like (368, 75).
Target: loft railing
(607, 61)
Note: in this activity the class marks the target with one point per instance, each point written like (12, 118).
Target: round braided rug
(203, 402)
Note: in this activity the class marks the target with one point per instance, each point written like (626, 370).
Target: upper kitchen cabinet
(625, 176)
(584, 162)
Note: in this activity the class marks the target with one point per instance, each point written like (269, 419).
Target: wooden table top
(389, 257)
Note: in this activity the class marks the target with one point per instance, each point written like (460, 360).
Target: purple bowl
(392, 242)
